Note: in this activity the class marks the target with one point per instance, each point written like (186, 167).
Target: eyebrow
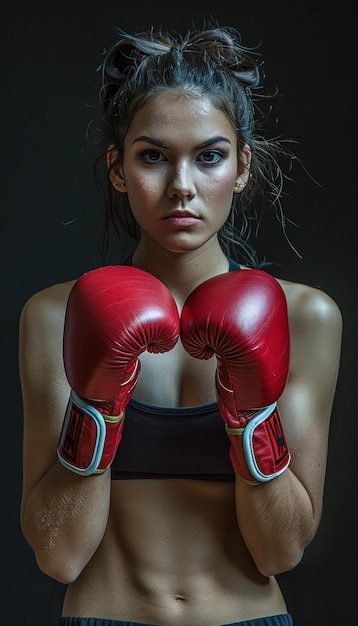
(157, 142)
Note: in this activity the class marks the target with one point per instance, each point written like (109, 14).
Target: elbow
(283, 554)
(64, 570)
(63, 567)
(273, 564)
(54, 557)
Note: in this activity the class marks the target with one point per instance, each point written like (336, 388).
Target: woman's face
(180, 165)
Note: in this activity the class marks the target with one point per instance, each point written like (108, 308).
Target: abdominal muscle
(172, 555)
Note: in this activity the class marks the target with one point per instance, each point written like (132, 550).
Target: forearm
(64, 518)
(276, 520)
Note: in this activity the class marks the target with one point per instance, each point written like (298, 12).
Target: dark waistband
(283, 619)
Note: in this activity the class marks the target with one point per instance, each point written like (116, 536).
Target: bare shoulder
(49, 302)
(41, 332)
(315, 322)
(311, 307)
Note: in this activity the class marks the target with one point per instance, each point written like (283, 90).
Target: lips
(182, 218)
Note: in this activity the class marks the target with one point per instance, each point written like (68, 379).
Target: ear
(115, 169)
(243, 170)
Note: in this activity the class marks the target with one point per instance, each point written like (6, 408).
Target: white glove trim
(100, 438)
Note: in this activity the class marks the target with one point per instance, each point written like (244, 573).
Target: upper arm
(306, 404)
(45, 390)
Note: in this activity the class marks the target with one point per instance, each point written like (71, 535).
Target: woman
(188, 467)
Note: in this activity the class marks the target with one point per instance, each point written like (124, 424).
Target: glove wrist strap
(89, 440)
(259, 450)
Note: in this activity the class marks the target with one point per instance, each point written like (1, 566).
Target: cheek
(220, 189)
(142, 186)
(143, 195)
(141, 192)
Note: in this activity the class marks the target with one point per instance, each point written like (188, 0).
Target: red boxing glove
(241, 317)
(113, 315)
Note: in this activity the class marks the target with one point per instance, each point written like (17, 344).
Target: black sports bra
(168, 442)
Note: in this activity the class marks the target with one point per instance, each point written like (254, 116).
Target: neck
(183, 271)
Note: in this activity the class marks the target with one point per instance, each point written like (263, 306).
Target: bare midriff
(172, 555)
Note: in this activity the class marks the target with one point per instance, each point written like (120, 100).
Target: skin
(176, 552)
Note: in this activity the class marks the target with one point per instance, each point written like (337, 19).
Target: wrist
(259, 451)
(88, 440)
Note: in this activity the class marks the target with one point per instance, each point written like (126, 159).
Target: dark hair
(213, 63)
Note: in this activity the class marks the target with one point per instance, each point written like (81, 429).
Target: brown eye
(152, 156)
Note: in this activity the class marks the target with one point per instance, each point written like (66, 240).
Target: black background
(50, 219)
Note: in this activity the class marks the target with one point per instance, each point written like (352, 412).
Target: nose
(182, 184)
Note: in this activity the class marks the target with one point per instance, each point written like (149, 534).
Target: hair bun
(223, 47)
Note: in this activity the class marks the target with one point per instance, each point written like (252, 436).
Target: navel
(179, 598)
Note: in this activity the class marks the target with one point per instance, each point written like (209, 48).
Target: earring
(239, 186)
(120, 187)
